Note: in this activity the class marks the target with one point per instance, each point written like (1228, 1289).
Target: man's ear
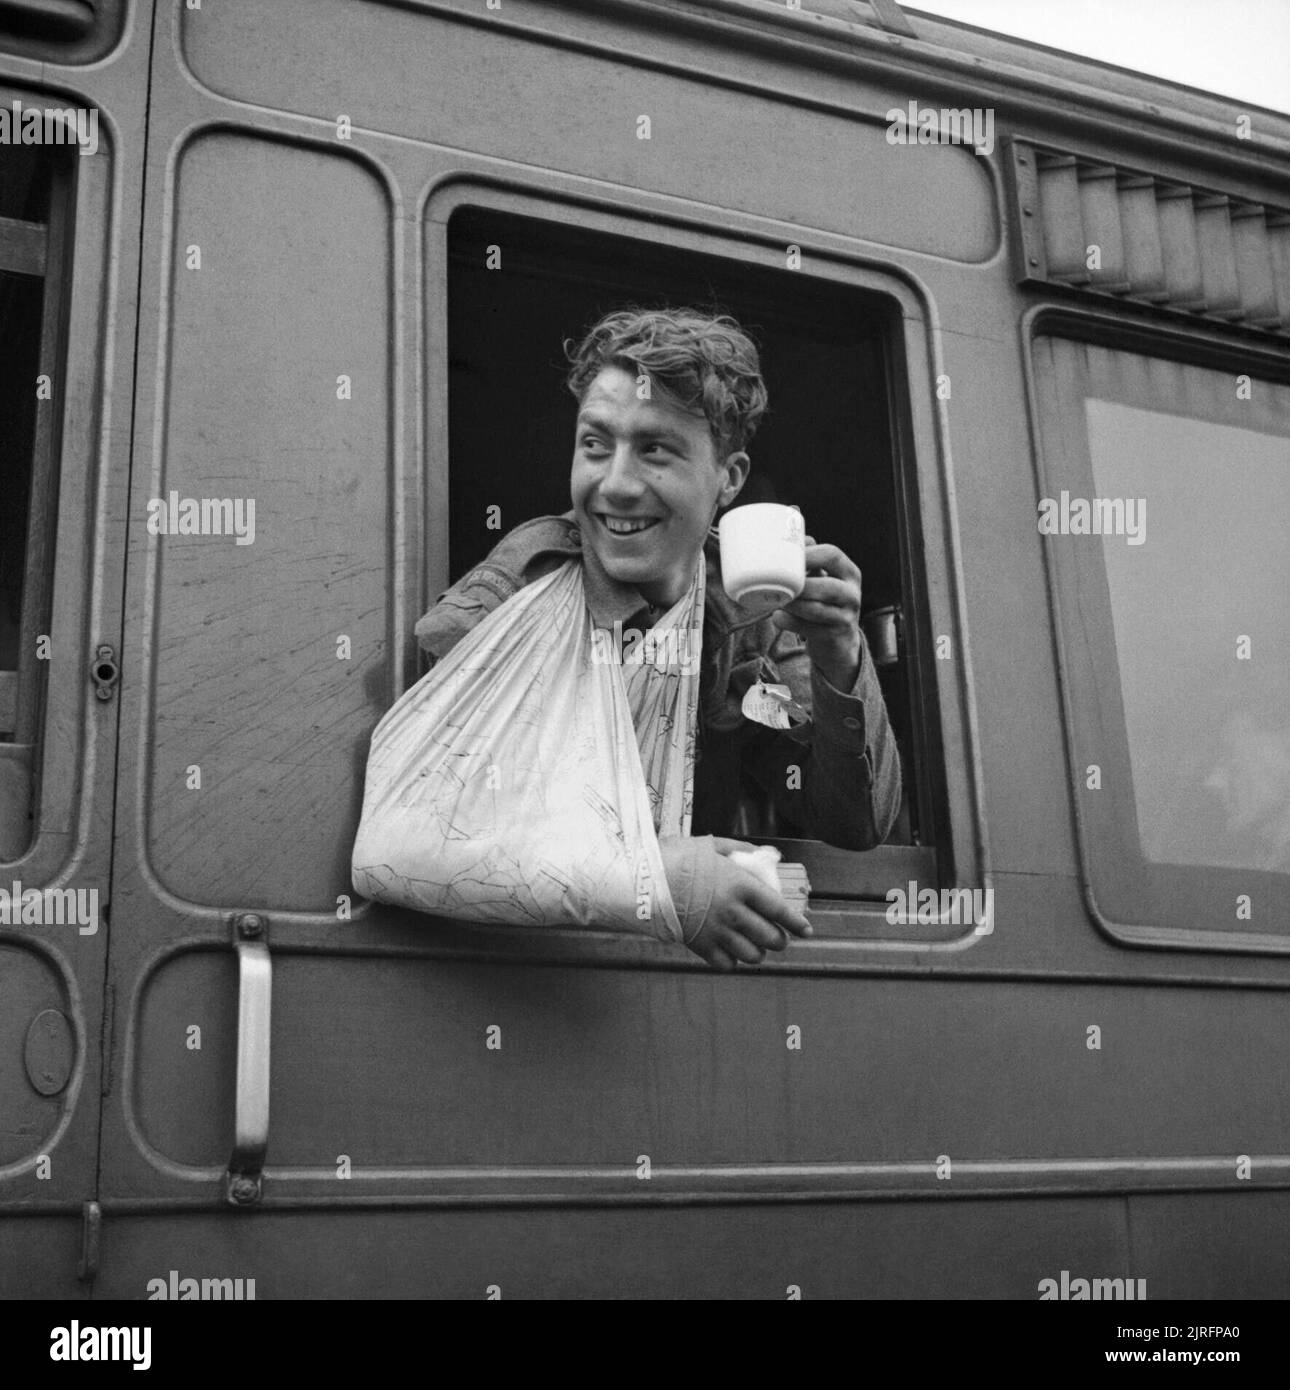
(735, 470)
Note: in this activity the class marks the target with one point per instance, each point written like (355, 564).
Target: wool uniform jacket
(835, 777)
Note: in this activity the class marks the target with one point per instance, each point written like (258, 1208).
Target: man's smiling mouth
(627, 526)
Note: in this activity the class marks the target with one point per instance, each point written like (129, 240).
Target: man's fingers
(761, 932)
(812, 614)
(832, 560)
(719, 960)
(739, 946)
(824, 591)
(826, 588)
(795, 922)
(823, 603)
(724, 846)
(772, 906)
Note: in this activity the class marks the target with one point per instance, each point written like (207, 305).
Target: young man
(668, 400)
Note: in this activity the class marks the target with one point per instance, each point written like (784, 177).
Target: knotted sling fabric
(527, 778)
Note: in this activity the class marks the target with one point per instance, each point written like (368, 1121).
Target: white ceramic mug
(763, 555)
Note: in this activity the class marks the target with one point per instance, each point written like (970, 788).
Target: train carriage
(282, 356)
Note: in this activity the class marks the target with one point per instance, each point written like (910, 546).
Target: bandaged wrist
(691, 864)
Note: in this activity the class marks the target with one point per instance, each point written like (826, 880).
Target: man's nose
(621, 477)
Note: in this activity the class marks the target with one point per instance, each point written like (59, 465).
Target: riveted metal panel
(723, 134)
(66, 749)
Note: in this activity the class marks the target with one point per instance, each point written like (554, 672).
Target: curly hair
(705, 363)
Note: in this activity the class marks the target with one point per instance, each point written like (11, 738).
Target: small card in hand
(794, 884)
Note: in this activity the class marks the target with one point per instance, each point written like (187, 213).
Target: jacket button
(850, 722)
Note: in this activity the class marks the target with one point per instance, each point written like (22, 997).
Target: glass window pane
(1208, 731)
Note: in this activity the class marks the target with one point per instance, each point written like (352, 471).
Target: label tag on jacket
(772, 705)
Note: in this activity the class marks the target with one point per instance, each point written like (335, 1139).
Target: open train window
(33, 195)
(1166, 492)
(825, 445)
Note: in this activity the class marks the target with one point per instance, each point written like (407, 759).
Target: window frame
(1089, 679)
(72, 764)
(851, 915)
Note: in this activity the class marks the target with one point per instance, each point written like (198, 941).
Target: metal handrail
(245, 1177)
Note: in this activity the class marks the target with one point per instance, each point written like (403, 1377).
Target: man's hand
(746, 918)
(827, 614)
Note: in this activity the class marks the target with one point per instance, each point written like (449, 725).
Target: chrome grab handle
(245, 1177)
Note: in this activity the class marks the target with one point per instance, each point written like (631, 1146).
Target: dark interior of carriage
(26, 177)
(825, 444)
(24, 198)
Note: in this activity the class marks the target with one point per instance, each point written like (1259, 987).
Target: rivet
(244, 1191)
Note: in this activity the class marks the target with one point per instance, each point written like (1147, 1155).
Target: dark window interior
(824, 445)
(20, 299)
(29, 207)
(25, 187)
(24, 197)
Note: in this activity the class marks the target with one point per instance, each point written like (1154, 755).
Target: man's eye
(591, 444)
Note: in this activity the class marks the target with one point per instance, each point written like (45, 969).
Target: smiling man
(646, 485)
(668, 401)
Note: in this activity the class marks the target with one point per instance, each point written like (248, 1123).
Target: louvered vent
(1114, 231)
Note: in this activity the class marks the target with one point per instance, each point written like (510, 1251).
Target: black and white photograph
(645, 655)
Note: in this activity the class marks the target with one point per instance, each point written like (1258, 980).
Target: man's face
(646, 485)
